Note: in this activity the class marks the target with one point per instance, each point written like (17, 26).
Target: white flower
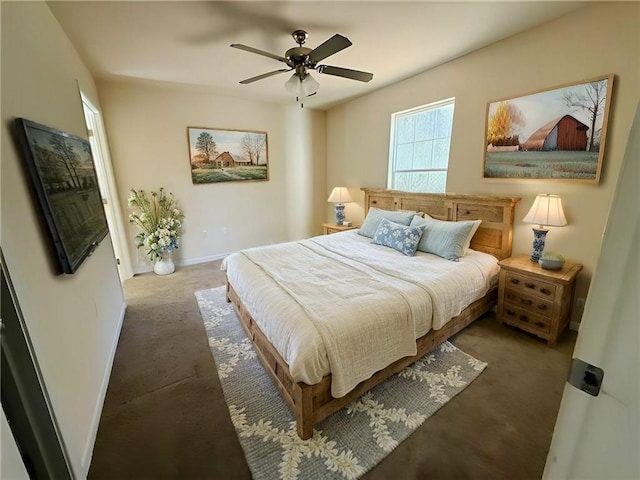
(159, 220)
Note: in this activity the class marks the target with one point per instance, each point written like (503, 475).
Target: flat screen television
(66, 186)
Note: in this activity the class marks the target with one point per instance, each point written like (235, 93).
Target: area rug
(349, 442)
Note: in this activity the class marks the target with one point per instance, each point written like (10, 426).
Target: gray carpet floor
(165, 416)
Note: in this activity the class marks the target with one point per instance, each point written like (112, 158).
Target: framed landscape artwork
(551, 134)
(218, 155)
(65, 184)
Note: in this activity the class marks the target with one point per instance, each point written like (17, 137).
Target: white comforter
(341, 305)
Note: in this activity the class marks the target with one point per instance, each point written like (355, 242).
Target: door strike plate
(585, 377)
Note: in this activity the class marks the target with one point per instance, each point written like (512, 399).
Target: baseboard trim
(195, 261)
(138, 269)
(95, 421)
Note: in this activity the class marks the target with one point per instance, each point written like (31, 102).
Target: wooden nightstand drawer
(536, 300)
(526, 320)
(518, 298)
(531, 285)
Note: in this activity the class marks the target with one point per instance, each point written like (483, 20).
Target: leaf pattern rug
(348, 443)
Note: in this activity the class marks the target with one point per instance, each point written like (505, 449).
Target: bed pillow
(448, 240)
(474, 229)
(376, 215)
(469, 237)
(418, 214)
(403, 238)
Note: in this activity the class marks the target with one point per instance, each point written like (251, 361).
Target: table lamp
(545, 211)
(339, 196)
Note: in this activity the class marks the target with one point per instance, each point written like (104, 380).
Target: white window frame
(392, 140)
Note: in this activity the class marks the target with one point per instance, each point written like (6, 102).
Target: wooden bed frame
(313, 403)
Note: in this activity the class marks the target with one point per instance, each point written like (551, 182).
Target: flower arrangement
(159, 220)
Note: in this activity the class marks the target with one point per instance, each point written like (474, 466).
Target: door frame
(106, 180)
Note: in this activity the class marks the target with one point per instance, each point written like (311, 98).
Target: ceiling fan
(302, 59)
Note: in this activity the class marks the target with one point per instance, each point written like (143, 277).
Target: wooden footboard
(312, 403)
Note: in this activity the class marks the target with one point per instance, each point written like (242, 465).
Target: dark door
(24, 397)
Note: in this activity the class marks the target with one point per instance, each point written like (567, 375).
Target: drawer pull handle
(374, 202)
(545, 291)
(542, 306)
(540, 324)
(515, 281)
(511, 313)
(530, 285)
(524, 318)
(525, 302)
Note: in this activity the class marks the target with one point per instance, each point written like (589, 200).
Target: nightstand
(536, 300)
(328, 228)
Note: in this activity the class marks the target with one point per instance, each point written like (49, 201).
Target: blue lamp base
(539, 236)
(339, 213)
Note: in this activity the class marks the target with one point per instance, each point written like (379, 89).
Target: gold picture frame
(552, 134)
(221, 155)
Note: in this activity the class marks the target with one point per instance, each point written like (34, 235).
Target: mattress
(339, 304)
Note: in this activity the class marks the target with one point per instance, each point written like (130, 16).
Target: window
(419, 148)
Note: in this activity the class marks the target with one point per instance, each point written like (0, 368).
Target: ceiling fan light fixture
(292, 84)
(310, 85)
(301, 59)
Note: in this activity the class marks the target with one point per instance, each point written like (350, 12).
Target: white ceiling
(188, 42)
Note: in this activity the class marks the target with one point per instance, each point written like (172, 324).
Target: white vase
(164, 265)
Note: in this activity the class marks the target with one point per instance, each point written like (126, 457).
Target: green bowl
(551, 263)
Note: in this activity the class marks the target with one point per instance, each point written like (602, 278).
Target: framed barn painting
(552, 134)
(219, 155)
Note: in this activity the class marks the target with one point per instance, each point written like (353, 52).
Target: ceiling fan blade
(329, 47)
(345, 72)
(265, 75)
(260, 52)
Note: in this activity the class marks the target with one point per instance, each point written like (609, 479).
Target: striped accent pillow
(448, 240)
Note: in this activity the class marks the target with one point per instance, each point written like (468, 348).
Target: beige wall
(306, 171)
(73, 320)
(147, 129)
(596, 40)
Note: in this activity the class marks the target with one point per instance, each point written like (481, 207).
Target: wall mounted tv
(66, 187)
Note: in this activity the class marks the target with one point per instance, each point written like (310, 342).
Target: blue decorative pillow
(446, 239)
(403, 238)
(375, 216)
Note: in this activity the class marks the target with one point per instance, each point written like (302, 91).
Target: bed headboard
(495, 233)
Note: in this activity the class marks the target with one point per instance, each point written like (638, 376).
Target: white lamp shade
(292, 84)
(302, 88)
(546, 210)
(339, 195)
(310, 85)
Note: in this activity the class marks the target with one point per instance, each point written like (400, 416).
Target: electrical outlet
(580, 302)
(204, 234)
